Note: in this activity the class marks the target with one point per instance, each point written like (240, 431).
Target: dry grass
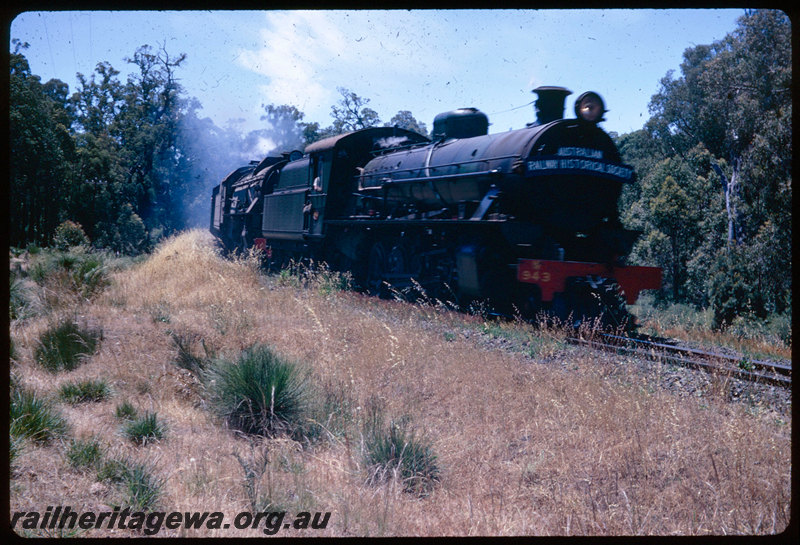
(754, 338)
(567, 442)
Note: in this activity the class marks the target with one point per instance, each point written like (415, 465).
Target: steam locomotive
(523, 221)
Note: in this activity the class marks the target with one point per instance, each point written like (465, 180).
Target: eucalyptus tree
(733, 99)
(40, 148)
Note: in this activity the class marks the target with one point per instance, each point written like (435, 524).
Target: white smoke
(391, 141)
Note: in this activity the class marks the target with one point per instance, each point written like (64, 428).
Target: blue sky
(423, 61)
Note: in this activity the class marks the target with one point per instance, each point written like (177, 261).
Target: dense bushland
(714, 161)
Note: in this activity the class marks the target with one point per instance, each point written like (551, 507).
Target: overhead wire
(512, 109)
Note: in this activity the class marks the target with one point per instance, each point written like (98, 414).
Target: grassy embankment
(550, 440)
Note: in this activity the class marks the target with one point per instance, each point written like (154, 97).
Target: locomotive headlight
(589, 107)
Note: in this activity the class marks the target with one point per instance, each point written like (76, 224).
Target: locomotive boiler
(525, 220)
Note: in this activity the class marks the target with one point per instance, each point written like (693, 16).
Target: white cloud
(297, 49)
(306, 55)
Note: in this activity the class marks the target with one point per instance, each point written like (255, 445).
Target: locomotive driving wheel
(614, 311)
(588, 300)
(376, 271)
(396, 260)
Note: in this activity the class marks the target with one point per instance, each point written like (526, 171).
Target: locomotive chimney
(550, 104)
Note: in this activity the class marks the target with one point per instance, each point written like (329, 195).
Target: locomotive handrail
(387, 182)
(496, 158)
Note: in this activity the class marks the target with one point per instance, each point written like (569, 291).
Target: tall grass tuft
(113, 470)
(330, 414)
(84, 391)
(14, 449)
(394, 450)
(91, 274)
(260, 393)
(315, 275)
(144, 429)
(84, 453)
(33, 417)
(141, 488)
(254, 467)
(65, 345)
(125, 411)
(185, 358)
(77, 271)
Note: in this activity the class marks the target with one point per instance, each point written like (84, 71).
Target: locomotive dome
(460, 123)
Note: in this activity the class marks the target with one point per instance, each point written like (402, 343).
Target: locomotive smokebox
(550, 104)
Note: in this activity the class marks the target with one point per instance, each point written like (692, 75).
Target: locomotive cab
(319, 184)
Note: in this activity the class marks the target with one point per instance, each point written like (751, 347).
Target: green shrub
(145, 429)
(126, 235)
(141, 487)
(776, 329)
(315, 275)
(66, 345)
(136, 481)
(69, 234)
(113, 470)
(83, 391)
(90, 275)
(84, 453)
(394, 449)
(76, 271)
(41, 269)
(125, 411)
(261, 393)
(33, 417)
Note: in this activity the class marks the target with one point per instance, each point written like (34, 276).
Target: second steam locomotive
(524, 220)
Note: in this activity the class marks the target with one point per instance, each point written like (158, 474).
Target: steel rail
(696, 359)
(773, 366)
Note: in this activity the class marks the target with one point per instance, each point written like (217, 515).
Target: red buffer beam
(551, 276)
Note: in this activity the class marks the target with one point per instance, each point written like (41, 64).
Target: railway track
(768, 372)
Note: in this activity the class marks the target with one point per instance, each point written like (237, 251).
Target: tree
(725, 124)
(735, 98)
(39, 150)
(285, 126)
(404, 120)
(148, 125)
(670, 213)
(99, 165)
(352, 113)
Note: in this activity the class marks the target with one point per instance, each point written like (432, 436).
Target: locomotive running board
(551, 276)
